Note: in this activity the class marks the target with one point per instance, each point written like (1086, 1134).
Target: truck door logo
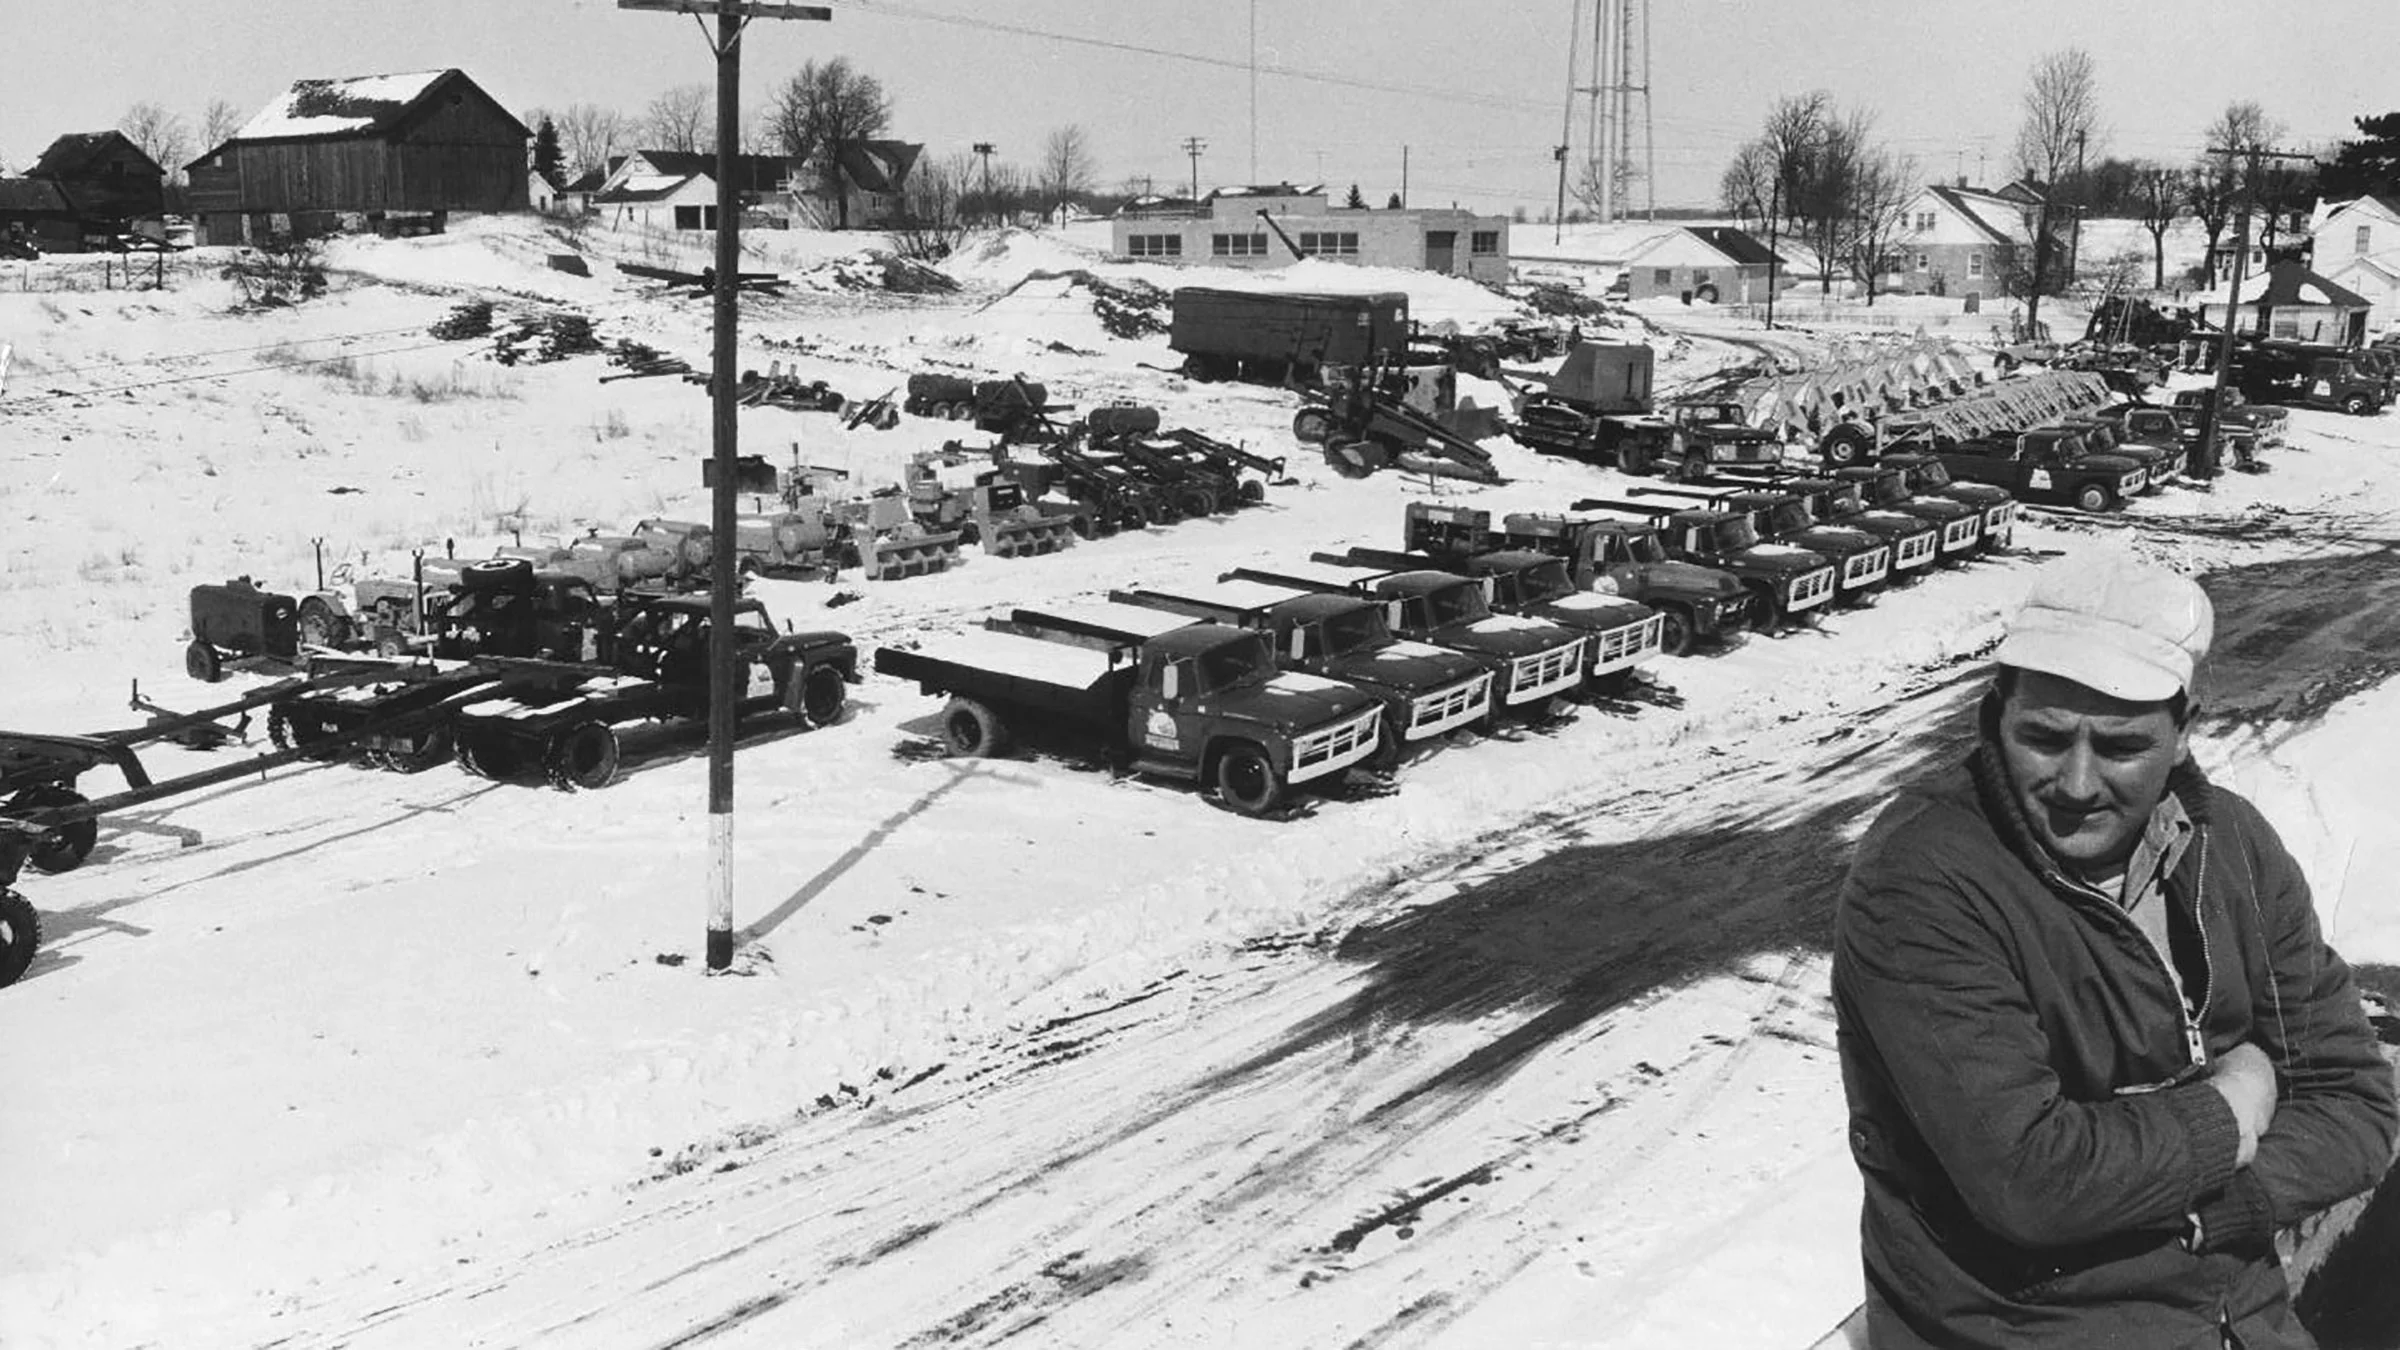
(2040, 479)
(1159, 730)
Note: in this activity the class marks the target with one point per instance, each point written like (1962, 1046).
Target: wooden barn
(379, 151)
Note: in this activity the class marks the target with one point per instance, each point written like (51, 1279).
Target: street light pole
(724, 585)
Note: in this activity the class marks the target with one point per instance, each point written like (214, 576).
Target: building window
(1330, 245)
(1154, 245)
(1485, 243)
(1924, 221)
(1237, 245)
(687, 217)
(1924, 261)
(2364, 231)
(1662, 276)
(1975, 264)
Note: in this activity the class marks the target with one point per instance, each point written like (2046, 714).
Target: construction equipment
(964, 491)
(1363, 429)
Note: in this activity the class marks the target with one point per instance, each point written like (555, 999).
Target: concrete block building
(1236, 227)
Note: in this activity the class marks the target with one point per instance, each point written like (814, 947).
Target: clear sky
(1475, 90)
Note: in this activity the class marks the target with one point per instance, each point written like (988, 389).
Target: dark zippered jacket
(2028, 1101)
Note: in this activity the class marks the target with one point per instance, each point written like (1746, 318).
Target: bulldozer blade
(1028, 538)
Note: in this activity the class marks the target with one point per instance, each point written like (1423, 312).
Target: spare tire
(514, 575)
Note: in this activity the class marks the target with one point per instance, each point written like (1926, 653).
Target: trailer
(1156, 693)
(1284, 336)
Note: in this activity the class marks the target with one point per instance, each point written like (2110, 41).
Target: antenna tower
(1619, 146)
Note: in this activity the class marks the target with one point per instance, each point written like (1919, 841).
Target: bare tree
(218, 124)
(1826, 203)
(588, 135)
(2062, 110)
(2158, 195)
(1746, 188)
(1882, 187)
(2227, 168)
(1067, 165)
(820, 112)
(681, 119)
(162, 136)
(2211, 186)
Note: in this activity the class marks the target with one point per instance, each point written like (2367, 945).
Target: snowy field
(1530, 1046)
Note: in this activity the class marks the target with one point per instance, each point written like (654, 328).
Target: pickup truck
(1862, 560)
(1694, 604)
(1426, 691)
(2047, 466)
(1618, 634)
(1532, 661)
(1709, 434)
(1159, 694)
(1916, 543)
(1785, 583)
(2162, 461)
(2311, 375)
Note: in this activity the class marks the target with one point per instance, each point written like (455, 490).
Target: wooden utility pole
(2206, 463)
(1193, 145)
(733, 16)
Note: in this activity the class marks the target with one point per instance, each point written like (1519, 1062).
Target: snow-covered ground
(1530, 1047)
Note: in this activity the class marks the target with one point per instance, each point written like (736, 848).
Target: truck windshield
(1886, 489)
(1931, 476)
(1789, 516)
(1645, 548)
(1462, 603)
(1360, 630)
(1734, 533)
(1545, 581)
(1233, 663)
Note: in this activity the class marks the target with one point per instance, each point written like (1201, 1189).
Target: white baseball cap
(2115, 624)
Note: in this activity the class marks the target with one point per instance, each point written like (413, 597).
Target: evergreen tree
(2368, 166)
(1356, 201)
(1393, 204)
(548, 160)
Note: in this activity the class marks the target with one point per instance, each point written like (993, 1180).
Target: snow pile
(1004, 257)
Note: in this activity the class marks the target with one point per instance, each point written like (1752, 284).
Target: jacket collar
(1989, 772)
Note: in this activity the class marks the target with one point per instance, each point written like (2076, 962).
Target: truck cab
(1862, 561)
(2105, 436)
(1626, 558)
(2050, 466)
(2311, 375)
(1618, 633)
(1425, 690)
(1887, 488)
(1916, 544)
(1927, 477)
(1713, 433)
(1532, 661)
(1786, 583)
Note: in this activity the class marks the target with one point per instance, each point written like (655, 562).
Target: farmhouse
(2289, 301)
(86, 183)
(375, 151)
(1236, 227)
(1711, 263)
(2357, 246)
(1960, 240)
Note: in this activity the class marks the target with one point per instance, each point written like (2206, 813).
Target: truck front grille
(1621, 647)
(1917, 550)
(1544, 673)
(1867, 567)
(1960, 535)
(1810, 589)
(1329, 749)
(1461, 703)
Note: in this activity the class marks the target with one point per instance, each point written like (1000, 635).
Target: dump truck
(1787, 585)
(1426, 691)
(1618, 634)
(1287, 336)
(1533, 661)
(1695, 604)
(1862, 561)
(1200, 702)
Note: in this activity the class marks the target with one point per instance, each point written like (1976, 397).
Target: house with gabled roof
(1960, 240)
(867, 189)
(2290, 301)
(1708, 263)
(2356, 244)
(108, 180)
(370, 150)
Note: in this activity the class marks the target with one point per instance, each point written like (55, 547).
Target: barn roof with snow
(355, 106)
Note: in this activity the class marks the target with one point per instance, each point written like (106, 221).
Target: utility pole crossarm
(747, 9)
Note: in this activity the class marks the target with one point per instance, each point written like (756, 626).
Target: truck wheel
(63, 848)
(2357, 405)
(1635, 459)
(1195, 503)
(416, 756)
(20, 936)
(487, 754)
(819, 694)
(1674, 632)
(202, 663)
(1253, 492)
(584, 757)
(1247, 781)
(2093, 497)
(1313, 426)
(1391, 746)
(290, 730)
(1765, 615)
(497, 574)
(321, 625)
(972, 730)
(1843, 446)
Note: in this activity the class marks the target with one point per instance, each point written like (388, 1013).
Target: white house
(2356, 244)
(1710, 263)
(685, 201)
(1958, 240)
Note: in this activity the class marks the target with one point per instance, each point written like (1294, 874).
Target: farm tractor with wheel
(1362, 429)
